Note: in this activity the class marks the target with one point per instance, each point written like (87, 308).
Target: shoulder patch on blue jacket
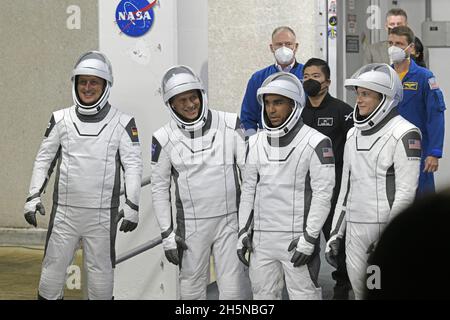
(156, 149)
(132, 130)
(433, 83)
(50, 126)
(324, 151)
(412, 144)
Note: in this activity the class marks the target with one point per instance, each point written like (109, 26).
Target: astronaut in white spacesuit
(201, 150)
(380, 172)
(88, 143)
(286, 195)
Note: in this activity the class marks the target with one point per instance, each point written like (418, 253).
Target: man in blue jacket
(423, 104)
(284, 46)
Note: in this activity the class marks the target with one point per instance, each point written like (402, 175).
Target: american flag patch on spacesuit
(414, 144)
(327, 152)
(324, 151)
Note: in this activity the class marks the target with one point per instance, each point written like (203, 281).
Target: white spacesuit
(380, 172)
(286, 193)
(88, 144)
(202, 157)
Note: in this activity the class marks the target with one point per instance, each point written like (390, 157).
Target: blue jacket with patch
(251, 109)
(423, 105)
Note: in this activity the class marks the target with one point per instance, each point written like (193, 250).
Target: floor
(21, 266)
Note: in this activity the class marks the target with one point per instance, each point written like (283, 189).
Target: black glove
(30, 210)
(244, 245)
(332, 250)
(173, 255)
(126, 225)
(299, 258)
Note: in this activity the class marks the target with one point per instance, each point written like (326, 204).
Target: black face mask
(312, 87)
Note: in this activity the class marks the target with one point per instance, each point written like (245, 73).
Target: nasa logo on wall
(135, 17)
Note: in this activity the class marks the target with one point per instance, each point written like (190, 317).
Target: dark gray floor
(325, 280)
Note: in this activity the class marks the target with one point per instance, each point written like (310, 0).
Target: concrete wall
(37, 55)
(415, 9)
(192, 32)
(239, 38)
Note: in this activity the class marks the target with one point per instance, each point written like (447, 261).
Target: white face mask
(284, 55)
(396, 54)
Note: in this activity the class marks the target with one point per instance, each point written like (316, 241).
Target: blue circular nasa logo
(135, 17)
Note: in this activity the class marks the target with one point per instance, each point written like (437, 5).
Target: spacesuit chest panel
(371, 164)
(374, 153)
(205, 168)
(280, 191)
(211, 149)
(275, 160)
(88, 149)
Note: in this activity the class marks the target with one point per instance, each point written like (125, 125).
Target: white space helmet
(287, 85)
(179, 79)
(379, 77)
(92, 63)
